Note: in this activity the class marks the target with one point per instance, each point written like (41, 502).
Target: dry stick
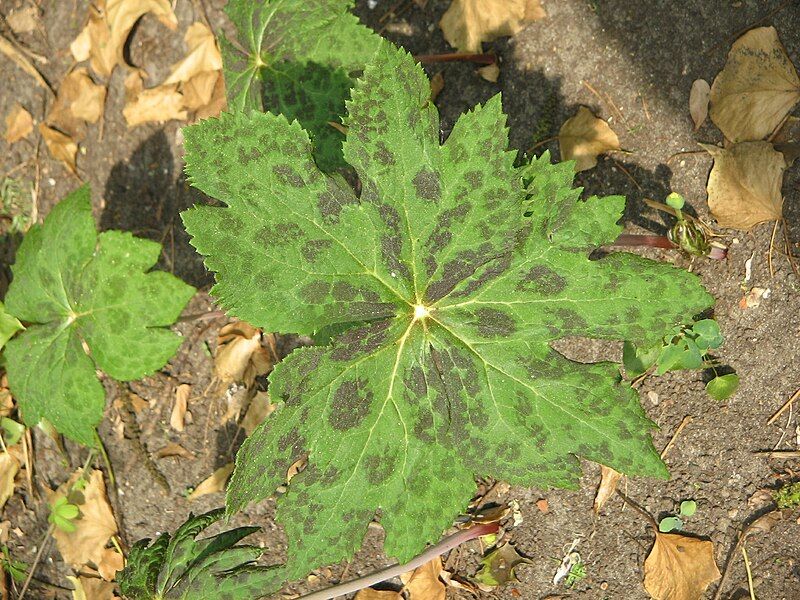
(779, 454)
(446, 544)
(739, 544)
(749, 573)
(36, 560)
(607, 100)
(771, 248)
(784, 408)
(481, 59)
(650, 520)
(686, 420)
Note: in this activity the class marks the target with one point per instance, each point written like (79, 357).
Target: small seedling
(576, 573)
(17, 569)
(62, 514)
(687, 509)
(788, 496)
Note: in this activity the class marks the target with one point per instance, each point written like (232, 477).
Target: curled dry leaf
(608, 485)
(161, 103)
(173, 449)
(756, 89)
(423, 583)
(110, 22)
(744, 187)
(177, 419)
(371, 594)
(469, 23)
(213, 483)
(490, 72)
(240, 356)
(79, 100)
(203, 55)
(61, 146)
(260, 408)
(583, 137)
(679, 567)
(90, 588)
(19, 124)
(10, 460)
(93, 528)
(698, 102)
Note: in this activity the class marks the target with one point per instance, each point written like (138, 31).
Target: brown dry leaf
(240, 357)
(19, 124)
(469, 23)
(583, 137)
(110, 22)
(161, 103)
(679, 567)
(423, 582)
(756, 89)
(198, 92)
(91, 588)
(608, 485)
(79, 100)
(138, 403)
(94, 526)
(61, 146)
(214, 483)
(203, 55)
(490, 72)
(698, 102)
(296, 467)
(23, 20)
(173, 449)
(370, 594)
(218, 102)
(437, 85)
(9, 467)
(178, 417)
(260, 408)
(744, 187)
(112, 562)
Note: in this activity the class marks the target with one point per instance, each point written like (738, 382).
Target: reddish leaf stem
(482, 59)
(446, 544)
(652, 241)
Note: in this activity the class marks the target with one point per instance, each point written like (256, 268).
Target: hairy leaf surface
(295, 57)
(448, 277)
(73, 288)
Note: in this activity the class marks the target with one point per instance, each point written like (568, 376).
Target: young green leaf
(453, 297)
(707, 334)
(179, 567)
(75, 288)
(723, 387)
(63, 513)
(294, 57)
(668, 524)
(638, 360)
(9, 325)
(688, 508)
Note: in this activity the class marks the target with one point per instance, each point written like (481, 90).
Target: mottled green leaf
(723, 386)
(89, 303)
(441, 287)
(9, 325)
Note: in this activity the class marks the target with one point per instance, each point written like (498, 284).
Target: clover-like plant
(441, 287)
(87, 302)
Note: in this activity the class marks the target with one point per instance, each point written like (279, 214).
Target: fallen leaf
(260, 408)
(61, 146)
(79, 100)
(19, 124)
(437, 85)
(469, 23)
(543, 505)
(91, 588)
(111, 562)
(9, 467)
(214, 483)
(698, 102)
(679, 567)
(173, 449)
(753, 298)
(583, 137)
(110, 22)
(608, 485)
(94, 526)
(23, 20)
(218, 102)
(423, 582)
(198, 92)
(370, 594)
(178, 417)
(756, 89)
(490, 72)
(497, 567)
(240, 356)
(744, 187)
(161, 103)
(203, 55)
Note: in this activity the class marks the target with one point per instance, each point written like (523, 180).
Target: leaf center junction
(421, 311)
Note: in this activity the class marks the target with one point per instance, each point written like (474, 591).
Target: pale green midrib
(544, 398)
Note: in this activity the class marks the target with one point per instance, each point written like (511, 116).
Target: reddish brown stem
(482, 59)
(652, 241)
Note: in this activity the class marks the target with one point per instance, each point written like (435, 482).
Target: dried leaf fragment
(203, 55)
(260, 408)
(23, 20)
(90, 588)
(19, 124)
(756, 89)
(161, 103)
(177, 418)
(9, 467)
(583, 137)
(213, 483)
(469, 23)
(698, 102)
(173, 449)
(61, 146)
(371, 594)
(679, 567)
(240, 357)
(79, 100)
(744, 187)
(608, 485)
(423, 583)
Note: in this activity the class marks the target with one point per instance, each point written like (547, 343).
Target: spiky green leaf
(89, 303)
(450, 275)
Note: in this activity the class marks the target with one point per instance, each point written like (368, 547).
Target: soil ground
(631, 62)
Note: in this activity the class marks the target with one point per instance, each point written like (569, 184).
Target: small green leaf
(497, 567)
(91, 304)
(707, 334)
(638, 360)
(12, 431)
(688, 508)
(668, 524)
(9, 325)
(16, 568)
(683, 353)
(723, 386)
(62, 513)
(675, 201)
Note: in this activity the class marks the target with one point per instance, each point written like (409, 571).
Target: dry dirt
(632, 62)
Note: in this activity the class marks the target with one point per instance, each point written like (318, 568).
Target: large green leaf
(295, 57)
(89, 304)
(455, 271)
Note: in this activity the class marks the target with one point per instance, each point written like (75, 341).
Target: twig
(771, 248)
(446, 544)
(650, 520)
(780, 453)
(481, 59)
(651, 241)
(10, 50)
(784, 408)
(607, 100)
(627, 174)
(36, 560)
(686, 420)
(749, 573)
